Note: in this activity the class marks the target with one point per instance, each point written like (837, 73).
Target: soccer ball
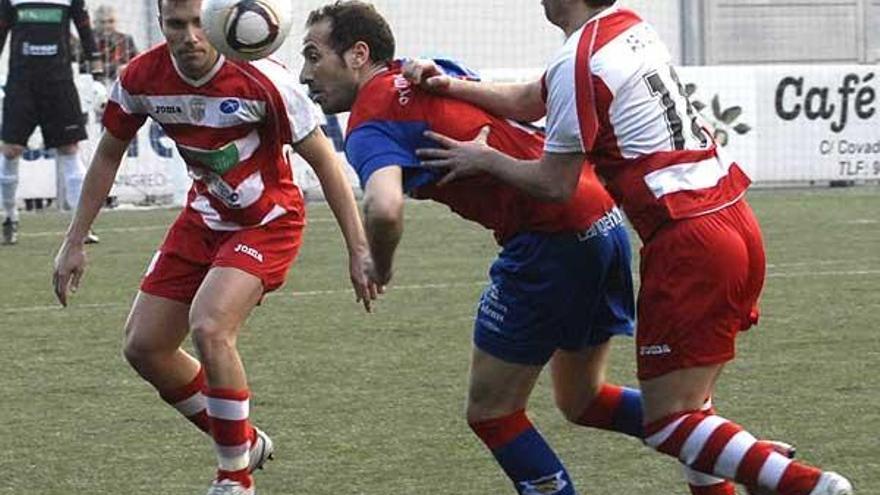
(247, 29)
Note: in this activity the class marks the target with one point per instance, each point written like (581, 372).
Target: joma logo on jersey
(253, 253)
(654, 350)
(167, 109)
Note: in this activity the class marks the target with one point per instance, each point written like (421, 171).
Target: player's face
(106, 23)
(552, 10)
(182, 28)
(332, 84)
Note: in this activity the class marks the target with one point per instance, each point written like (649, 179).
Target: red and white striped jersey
(231, 127)
(612, 93)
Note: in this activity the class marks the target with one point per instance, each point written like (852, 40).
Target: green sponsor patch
(218, 161)
(40, 15)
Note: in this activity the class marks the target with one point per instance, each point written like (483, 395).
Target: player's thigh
(223, 302)
(679, 390)
(578, 375)
(598, 301)
(497, 387)
(20, 114)
(155, 324)
(60, 114)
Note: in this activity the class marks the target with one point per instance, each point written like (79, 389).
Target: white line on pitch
(413, 287)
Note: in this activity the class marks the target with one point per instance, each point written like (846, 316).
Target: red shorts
(191, 249)
(701, 280)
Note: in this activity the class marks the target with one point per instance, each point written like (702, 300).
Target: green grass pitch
(372, 404)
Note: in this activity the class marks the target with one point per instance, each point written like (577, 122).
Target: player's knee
(209, 334)
(12, 151)
(134, 350)
(572, 404)
(486, 404)
(68, 149)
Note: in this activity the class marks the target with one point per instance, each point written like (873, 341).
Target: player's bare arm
(517, 101)
(383, 214)
(318, 151)
(70, 262)
(553, 177)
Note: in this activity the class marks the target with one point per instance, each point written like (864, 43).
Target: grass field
(371, 404)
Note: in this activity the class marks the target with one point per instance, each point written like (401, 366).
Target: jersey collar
(197, 83)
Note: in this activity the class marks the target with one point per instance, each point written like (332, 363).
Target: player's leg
(497, 399)
(223, 302)
(686, 335)
(19, 122)
(154, 332)
(586, 399)
(11, 154)
(247, 264)
(515, 335)
(600, 305)
(64, 125)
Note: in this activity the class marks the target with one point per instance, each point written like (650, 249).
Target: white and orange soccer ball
(247, 29)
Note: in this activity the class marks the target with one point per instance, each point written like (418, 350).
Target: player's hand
(427, 75)
(70, 265)
(366, 289)
(459, 158)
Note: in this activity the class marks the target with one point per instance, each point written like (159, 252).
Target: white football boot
(831, 483)
(229, 487)
(261, 451)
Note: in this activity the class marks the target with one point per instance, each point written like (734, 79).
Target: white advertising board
(783, 124)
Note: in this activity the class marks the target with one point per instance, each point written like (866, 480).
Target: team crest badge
(197, 109)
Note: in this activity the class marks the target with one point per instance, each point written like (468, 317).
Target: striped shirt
(612, 93)
(232, 127)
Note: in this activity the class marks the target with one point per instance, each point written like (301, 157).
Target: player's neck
(576, 19)
(369, 73)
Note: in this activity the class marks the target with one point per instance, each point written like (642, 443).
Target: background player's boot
(831, 483)
(261, 452)
(10, 232)
(92, 238)
(783, 448)
(229, 487)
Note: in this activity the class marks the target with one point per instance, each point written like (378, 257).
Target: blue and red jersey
(386, 127)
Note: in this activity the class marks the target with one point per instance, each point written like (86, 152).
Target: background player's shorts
(53, 105)
(701, 280)
(191, 249)
(556, 291)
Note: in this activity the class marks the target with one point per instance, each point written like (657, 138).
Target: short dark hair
(352, 21)
(600, 3)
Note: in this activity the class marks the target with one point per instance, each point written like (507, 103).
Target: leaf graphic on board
(742, 128)
(690, 89)
(731, 114)
(699, 105)
(716, 107)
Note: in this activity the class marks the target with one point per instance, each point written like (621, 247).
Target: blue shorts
(556, 291)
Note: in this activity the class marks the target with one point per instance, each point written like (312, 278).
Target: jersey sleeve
(7, 19)
(563, 122)
(303, 114)
(378, 144)
(124, 114)
(80, 17)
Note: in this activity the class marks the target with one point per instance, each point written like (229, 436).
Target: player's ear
(359, 55)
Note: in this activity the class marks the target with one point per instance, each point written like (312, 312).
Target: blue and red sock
(616, 409)
(524, 455)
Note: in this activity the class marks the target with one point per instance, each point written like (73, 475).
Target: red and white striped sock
(189, 400)
(713, 445)
(228, 411)
(705, 484)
